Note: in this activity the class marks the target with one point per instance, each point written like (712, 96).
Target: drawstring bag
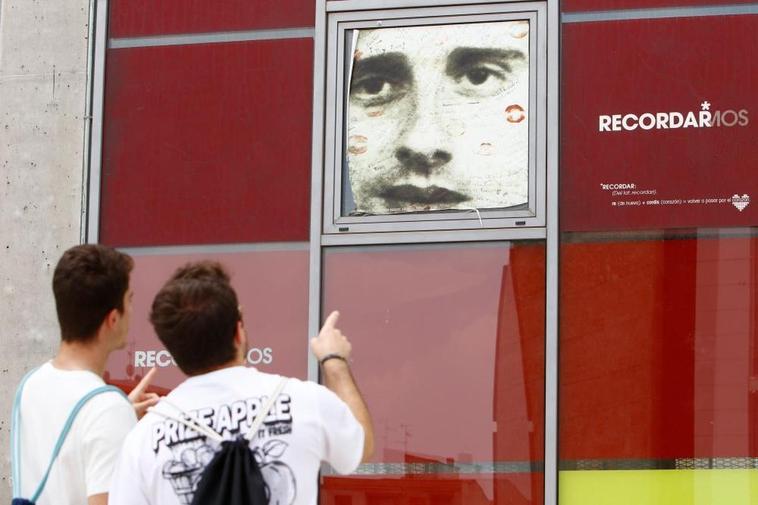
(233, 476)
(16, 439)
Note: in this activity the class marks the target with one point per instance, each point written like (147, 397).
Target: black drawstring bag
(233, 476)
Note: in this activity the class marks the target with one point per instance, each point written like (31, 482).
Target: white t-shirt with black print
(162, 460)
(90, 452)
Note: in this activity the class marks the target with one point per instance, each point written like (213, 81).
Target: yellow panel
(659, 487)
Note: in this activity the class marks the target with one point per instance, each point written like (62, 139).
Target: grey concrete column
(43, 72)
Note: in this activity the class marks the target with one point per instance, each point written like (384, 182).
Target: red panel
(449, 353)
(658, 350)
(132, 18)
(659, 66)
(276, 318)
(207, 144)
(590, 5)
(441, 489)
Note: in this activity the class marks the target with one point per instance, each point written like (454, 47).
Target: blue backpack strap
(15, 435)
(64, 433)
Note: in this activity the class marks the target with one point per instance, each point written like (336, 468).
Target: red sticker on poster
(659, 124)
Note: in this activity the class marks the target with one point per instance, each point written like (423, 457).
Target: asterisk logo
(706, 105)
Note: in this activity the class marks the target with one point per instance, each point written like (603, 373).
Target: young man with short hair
(197, 317)
(93, 302)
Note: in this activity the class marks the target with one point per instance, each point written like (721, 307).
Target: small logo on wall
(740, 201)
(703, 118)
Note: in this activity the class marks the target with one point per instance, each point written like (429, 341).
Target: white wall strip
(661, 13)
(215, 248)
(211, 38)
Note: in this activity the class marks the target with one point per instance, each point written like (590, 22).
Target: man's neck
(81, 356)
(228, 364)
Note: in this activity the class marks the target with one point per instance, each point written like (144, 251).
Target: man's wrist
(332, 358)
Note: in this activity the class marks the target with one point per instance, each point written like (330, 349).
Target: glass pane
(659, 362)
(448, 349)
(272, 287)
(436, 118)
(135, 18)
(207, 144)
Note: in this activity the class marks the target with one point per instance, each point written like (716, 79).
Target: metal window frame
(94, 135)
(348, 18)
(322, 204)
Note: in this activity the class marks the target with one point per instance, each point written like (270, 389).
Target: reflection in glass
(272, 287)
(448, 349)
(659, 362)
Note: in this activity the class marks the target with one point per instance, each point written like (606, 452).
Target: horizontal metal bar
(437, 246)
(505, 467)
(433, 236)
(489, 467)
(660, 13)
(214, 249)
(657, 235)
(353, 5)
(211, 38)
(738, 463)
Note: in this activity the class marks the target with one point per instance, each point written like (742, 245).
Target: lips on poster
(437, 118)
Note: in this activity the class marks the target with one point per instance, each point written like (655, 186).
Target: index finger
(332, 319)
(145, 382)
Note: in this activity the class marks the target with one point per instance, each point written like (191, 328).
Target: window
(435, 119)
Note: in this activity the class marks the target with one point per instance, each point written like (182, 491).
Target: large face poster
(437, 118)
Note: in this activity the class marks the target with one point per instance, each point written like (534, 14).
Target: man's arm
(337, 376)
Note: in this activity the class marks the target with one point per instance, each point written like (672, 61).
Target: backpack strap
(265, 410)
(184, 418)
(16, 435)
(58, 444)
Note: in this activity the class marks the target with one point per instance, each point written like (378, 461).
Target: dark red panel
(659, 66)
(276, 318)
(207, 144)
(441, 489)
(132, 18)
(591, 5)
(658, 349)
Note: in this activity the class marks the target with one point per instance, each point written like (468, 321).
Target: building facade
(535, 218)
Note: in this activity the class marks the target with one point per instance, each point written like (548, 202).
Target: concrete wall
(43, 67)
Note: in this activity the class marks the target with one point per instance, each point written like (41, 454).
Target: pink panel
(642, 171)
(207, 144)
(272, 287)
(132, 18)
(448, 346)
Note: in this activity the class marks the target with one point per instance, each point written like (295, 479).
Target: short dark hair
(89, 281)
(195, 315)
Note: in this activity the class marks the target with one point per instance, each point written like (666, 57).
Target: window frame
(329, 132)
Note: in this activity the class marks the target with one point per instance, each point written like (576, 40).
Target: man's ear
(240, 337)
(109, 322)
(112, 318)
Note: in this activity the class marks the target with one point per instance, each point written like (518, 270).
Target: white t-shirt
(87, 457)
(162, 461)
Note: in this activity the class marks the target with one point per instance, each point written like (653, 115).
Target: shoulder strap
(265, 410)
(16, 436)
(186, 420)
(61, 438)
